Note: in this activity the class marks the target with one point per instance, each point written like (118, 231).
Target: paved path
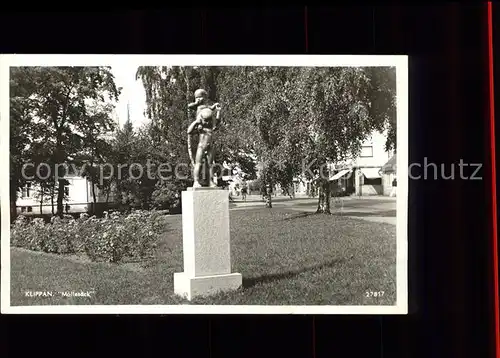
(376, 209)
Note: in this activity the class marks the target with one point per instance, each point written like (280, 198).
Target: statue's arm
(192, 126)
(190, 152)
(215, 106)
(217, 109)
(192, 105)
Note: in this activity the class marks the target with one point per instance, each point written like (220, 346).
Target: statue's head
(200, 93)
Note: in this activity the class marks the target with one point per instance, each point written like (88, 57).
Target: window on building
(374, 181)
(30, 209)
(23, 209)
(66, 190)
(366, 151)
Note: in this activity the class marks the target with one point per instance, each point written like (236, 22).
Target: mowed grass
(285, 257)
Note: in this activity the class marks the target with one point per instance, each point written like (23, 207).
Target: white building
(78, 198)
(389, 174)
(362, 175)
(368, 178)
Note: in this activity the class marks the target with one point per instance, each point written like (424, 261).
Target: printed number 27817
(374, 293)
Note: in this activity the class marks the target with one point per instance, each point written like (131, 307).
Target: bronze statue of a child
(205, 124)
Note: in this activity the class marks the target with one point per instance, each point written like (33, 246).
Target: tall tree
(291, 120)
(305, 119)
(382, 98)
(21, 128)
(341, 111)
(59, 98)
(96, 147)
(123, 145)
(257, 114)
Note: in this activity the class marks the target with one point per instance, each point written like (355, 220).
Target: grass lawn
(285, 257)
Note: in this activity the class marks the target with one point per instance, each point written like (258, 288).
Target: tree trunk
(13, 202)
(52, 199)
(269, 201)
(93, 193)
(13, 209)
(60, 199)
(58, 156)
(41, 201)
(324, 198)
(328, 195)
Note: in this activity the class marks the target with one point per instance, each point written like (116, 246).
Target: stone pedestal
(206, 244)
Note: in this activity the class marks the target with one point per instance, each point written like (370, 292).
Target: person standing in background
(394, 186)
(244, 191)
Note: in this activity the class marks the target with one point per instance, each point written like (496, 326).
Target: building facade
(362, 176)
(78, 197)
(368, 178)
(389, 172)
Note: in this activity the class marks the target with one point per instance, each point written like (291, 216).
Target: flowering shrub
(165, 196)
(113, 238)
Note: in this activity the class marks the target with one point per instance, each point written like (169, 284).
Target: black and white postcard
(204, 184)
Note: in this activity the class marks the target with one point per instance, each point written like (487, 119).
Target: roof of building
(390, 166)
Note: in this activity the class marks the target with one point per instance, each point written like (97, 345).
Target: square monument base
(190, 287)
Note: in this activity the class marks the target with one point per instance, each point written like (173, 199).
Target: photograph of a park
(235, 185)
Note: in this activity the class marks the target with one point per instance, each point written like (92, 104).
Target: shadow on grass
(313, 213)
(252, 281)
(386, 213)
(351, 202)
(300, 216)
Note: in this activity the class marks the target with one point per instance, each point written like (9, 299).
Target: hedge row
(112, 239)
